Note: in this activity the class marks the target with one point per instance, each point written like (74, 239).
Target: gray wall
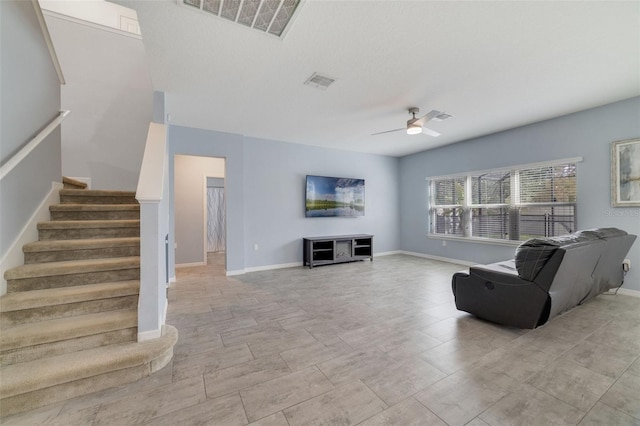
(189, 195)
(30, 100)
(586, 134)
(265, 186)
(110, 95)
(190, 141)
(275, 175)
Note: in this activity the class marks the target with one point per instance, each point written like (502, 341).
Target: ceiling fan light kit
(415, 125)
(413, 128)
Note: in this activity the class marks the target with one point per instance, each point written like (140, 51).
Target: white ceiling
(493, 65)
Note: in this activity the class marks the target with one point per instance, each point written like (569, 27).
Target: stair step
(83, 229)
(55, 330)
(45, 350)
(93, 196)
(94, 211)
(34, 384)
(39, 276)
(40, 305)
(70, 183)
(58, 250)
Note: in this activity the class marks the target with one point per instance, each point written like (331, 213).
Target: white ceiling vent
(269, 16)
(319, 81)
(442, 116)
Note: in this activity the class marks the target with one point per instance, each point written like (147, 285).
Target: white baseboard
(29, 233)
(270, 267)
(628, 292)
(263, 268)
(440, 258)
(149, 335)
(388, 253)
(190, 265)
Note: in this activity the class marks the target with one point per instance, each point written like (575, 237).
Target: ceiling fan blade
(428, 117)
(389, 131)
(430, 132)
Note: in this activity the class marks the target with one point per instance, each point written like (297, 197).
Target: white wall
(96, 11)
(189, 202)
(110, 95)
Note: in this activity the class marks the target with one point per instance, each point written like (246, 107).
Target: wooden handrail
(26, 150)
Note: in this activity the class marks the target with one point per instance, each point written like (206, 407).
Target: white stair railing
(31, 145)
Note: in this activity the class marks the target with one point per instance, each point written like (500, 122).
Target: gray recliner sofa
(547, 277)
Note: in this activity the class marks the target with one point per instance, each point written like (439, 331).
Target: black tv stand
(336, 249)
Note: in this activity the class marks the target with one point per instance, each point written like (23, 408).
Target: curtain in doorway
(215, 219)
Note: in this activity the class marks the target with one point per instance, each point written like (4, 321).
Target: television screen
(333, 196)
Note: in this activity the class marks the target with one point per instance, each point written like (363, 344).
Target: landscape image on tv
(333, 196)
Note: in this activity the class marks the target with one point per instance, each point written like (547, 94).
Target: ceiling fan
(416, 125)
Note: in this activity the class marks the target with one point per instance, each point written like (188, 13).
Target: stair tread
(81, 244)
(97, 193)
(104, 223)
(42, 373)
(58, 329)
(71, 267)
(93, 207)
(57, 296)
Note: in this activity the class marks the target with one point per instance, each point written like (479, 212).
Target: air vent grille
(269, 16)
(442, 116)
(319, 81)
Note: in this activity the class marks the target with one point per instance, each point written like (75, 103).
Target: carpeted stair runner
(69, 319)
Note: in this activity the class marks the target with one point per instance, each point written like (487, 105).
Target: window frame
(514, 202)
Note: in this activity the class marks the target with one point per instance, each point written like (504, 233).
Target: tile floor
(369, 343)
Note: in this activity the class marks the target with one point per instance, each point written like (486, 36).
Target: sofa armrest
(496, 293)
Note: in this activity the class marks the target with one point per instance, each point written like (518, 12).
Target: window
(536, 200)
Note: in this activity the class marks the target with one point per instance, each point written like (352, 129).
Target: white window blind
(518, 203)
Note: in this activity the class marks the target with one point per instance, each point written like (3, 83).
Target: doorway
(216, 218)
(195, 177)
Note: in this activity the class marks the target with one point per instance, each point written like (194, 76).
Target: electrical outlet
(626, 265)
(444, 243)
(255, 246)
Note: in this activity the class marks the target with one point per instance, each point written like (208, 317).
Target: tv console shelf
(336, 249)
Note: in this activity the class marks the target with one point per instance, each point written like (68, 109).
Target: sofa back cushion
(532, 255)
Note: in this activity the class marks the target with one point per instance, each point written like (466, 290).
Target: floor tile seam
(590, 370)
(429, 409)
(154, 417)
(609, 406)
(246, 415)
(568, 403)
(563, 355)
(609, 388)
(626, 369)
(608, 347)
(333, 388)
(408, 396)
(506, 395)
(633, 416)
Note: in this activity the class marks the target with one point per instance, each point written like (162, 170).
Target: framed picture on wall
(625, 173)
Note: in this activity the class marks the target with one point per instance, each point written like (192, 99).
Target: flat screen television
(334, 196)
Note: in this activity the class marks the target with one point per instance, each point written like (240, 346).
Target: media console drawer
(336, 249)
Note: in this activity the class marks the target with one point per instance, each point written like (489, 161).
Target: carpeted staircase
(69, 319)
